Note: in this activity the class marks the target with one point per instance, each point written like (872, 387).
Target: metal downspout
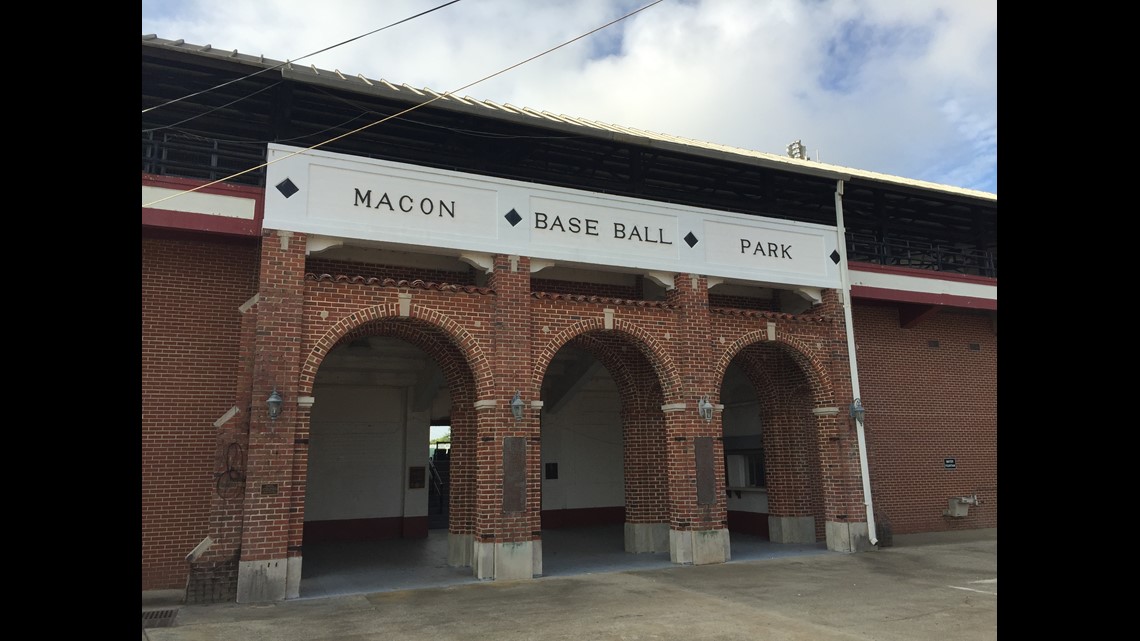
(846, 285)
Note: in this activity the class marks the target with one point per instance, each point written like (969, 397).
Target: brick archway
(642, 372)
(644, 341)
(810, 451)
(466, 372)
(447, 328)
(795, 347)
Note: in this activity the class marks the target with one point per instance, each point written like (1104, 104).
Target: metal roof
(359, 83)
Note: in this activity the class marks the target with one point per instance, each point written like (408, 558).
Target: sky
(901, 87)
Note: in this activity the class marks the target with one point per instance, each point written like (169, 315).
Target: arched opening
(745, 471)
(379, 498)
(602, 437)
(772, 456)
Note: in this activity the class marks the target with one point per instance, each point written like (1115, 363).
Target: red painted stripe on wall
(923, 298)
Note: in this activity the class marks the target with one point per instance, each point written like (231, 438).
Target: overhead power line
(413, 107)
(278, 66)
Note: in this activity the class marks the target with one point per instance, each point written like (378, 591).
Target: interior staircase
(439, 488)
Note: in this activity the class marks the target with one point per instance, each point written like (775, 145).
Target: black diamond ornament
(835, 256)
(513, 217)
(287, 188)
(691, 239)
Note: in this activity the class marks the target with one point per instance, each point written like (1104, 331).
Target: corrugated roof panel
(499, 107)
(523, 111)
(539, 114)
(557, 118)
(575, 120)
(617, 128)
(482, 103)
(445, 96)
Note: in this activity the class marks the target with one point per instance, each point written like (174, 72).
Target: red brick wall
(320, 266)
(191, 291)
(925, 404)
(492, 341)
(272, 493)
(743, 302)
(511, 362)
(586, 289)
(452, 325)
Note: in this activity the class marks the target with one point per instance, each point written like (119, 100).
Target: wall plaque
(417, 478)
(706, 478)
(514, 474)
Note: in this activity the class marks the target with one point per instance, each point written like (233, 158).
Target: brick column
(213, 568)
(461, 507)
(844, 507)
(508, 507)
(646, 472)
(265, 571)
(698, 531)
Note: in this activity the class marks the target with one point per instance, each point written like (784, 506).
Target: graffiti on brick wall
(230, 482)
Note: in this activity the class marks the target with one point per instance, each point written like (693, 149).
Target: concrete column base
(641, 538)
(699, 547)
(460, 548)
(536, 561)
(504, 561)
(848, 537)
(293, 578)
(791, 529)
(261, 581)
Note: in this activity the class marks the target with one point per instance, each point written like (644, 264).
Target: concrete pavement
(929, 586)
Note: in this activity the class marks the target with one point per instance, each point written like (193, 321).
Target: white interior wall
(416, 455)
(357, 453)
(585, 438)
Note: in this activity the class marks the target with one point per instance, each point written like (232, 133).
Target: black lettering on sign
(406, 203)
(774, 250)
(641, 234)
(571, 225)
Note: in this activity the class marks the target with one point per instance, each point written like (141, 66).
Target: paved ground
(935, 586)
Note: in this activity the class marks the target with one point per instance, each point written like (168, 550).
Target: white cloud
(899, 87)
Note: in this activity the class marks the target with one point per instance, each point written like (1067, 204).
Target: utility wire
(468, 132)
(409, 109)
(182, 122)
(287, 62)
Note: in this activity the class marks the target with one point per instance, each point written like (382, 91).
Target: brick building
(616, 326)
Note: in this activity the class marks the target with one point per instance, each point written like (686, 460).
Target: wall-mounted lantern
(705, 408)
(517, 406)
(274, 403)
(857, 410)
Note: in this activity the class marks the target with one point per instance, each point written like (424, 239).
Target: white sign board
(412, 207)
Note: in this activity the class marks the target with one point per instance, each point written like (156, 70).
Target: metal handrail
(436, 479)
(921, 255)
